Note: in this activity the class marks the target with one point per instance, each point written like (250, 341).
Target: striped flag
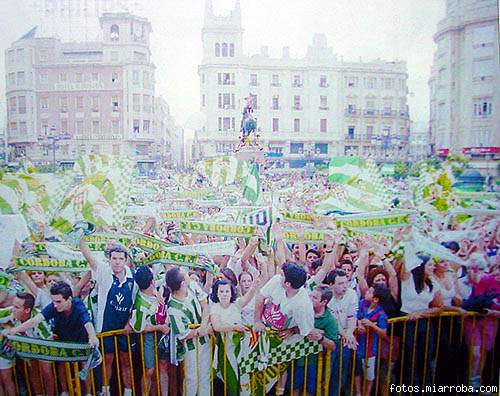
(358, 187)
(251, 187)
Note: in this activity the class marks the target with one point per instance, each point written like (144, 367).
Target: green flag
(251, 186)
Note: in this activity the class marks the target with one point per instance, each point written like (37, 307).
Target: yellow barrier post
(426, 351)
(129, 348)
(305, 375)
(403, 349)
(212, 351)
(377, 371)
(143, 366)
(224, 340)
(319, 373)
(157, 368)
(69, 380)
(414, 350)
(117, 359)
(328, 371)
(291, 377)
(437, 351)
(104, 376)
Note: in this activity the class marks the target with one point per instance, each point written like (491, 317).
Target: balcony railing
(370, 112)
(275, 107)
(275, 85)
(297, 85)
(297, 107)
(323, 107)
(388, 113)
(351, 112)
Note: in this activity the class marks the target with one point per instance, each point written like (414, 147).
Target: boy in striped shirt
(188, 317)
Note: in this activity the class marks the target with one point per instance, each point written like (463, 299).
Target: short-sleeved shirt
(114, 298)
(69, 327)
(345, 308)
(281, 312)
(377, 316)
(328, 324)
(41, 331)
(143, 312)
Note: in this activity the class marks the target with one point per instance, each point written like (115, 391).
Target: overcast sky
(370, 29)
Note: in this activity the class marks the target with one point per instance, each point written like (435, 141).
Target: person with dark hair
(144, 320)
(69, 318)
(225, 316)
(372, 324)
(189, 324)
(283, 304)
(115, 296)
(326, 333)
(343, 306)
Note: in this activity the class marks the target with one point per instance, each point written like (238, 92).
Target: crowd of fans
(346, 293)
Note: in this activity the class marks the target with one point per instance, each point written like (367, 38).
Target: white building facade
(307, 109)
(65, 99)
(465, 81)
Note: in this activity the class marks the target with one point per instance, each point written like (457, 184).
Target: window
(12, 105)
(321, 148)
(136, 126)
(79, 102)
(115, 56)
(217, 49)
(64, 126)
(387, 106)
(23, 128)
(43, 54)
(296, 148)
(224, 49)
(136, 103)
(231, 50)
(350, 132)
(323, 81)
(253, 80)
(114, 77)
(226, 123)
(351, 82)
(276, 102)
(276, 124)
(115, 104)
(116, 149)
(296, 124)
(44, 78)
(44, 103)
(22, 104)
(20, 78)
(369, 131)
(96, 127)
(63, 102)
(297, 81)
(145, 126)
(78, 77)
(11, 56)
(482, 108)
(45, 128)
(322, 125)
(203, 78)
(226, 101)
(296, 102)
(13, 128)
(370, 83)
(203, 100)
(388, 83)
(20, 55)
(370, 105)
(95, 103)
(146, 103)
(63, 77)
(145, 79)
(11, 79)
(115, 126)
(135, 77)
(275, 80)
(114, 33)
(323, 102)
(79, 127)
(351, 108)
(219, 123)
(95, 77)
(254, 101)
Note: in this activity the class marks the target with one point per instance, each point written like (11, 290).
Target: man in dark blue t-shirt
(69, 318)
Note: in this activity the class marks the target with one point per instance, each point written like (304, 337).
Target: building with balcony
(83, 97)
(307, 109)
(465, 80)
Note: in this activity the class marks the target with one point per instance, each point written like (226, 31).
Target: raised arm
(84, 248)
(29, 324)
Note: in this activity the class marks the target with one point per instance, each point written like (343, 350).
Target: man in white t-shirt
(344, 307)
(283, 304)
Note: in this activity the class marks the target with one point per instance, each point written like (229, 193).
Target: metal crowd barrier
(423, 353)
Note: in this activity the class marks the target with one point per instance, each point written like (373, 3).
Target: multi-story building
(171, 148)
(307, 109)
(418, 148)
(69, 98)
(465, 80)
